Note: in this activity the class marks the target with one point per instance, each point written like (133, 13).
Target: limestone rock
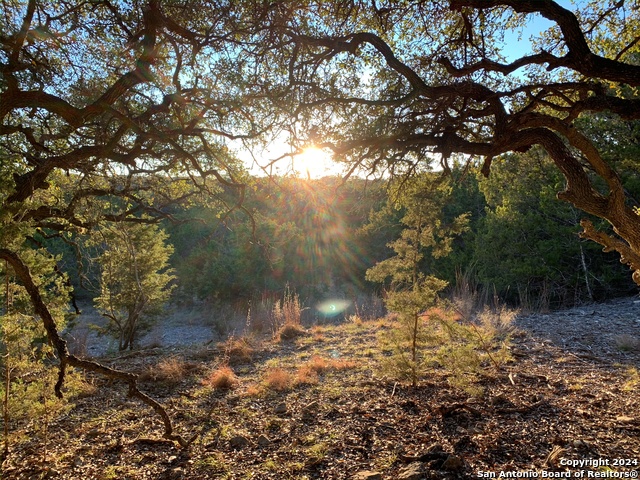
(367, 475)
(453, 464)
(411, 472)
(238, 442)
(280, 409)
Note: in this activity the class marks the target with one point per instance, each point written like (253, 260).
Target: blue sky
(515, 48)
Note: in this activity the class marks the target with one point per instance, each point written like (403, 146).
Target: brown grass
(309, 372)
(290, 331)
(253, 391)
(437, 313)
(169, 370)
(286, 316)
(318, 364)
(306, 375)
(238, 350)
(342, 364)
(85, 388)
(499, 322)
(222, 378)
(317, 333)
(278, 379)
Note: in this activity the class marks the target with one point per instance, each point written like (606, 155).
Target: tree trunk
(414, 351)
(60, 345)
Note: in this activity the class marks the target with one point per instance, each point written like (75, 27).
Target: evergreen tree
(135, 278)
(412, 290)
(527, 247)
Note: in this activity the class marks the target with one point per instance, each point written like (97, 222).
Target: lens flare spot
(333, 307)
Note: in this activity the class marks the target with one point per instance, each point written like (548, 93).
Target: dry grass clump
(238, 350)
(290, 331)
(369, 309)
(287, 317)
(288, 310)
(318, 364)
(627, 343)
(317, 333)
(498, 321)
(278, 379)
(341, 364)
(309, 372)
(253, 391)
(306, 375)
(170, 370)
(441, 314)
(85, 388)
(221, 378)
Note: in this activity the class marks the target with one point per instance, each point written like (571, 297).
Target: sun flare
(314, 162)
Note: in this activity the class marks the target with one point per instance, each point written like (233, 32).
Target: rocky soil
(569, 395)
(606, 332)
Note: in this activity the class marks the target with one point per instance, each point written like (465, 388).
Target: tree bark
(66, 359)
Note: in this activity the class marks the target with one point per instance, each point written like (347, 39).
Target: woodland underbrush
(464, 347)
(288, 407)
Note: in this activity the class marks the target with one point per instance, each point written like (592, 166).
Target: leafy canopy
(390, 86)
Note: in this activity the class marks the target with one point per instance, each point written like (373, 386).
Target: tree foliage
(135, 277)
(390, 86)
(118, 112)
(412, 290)
(527, 245)
(302, 233)
(27, 377)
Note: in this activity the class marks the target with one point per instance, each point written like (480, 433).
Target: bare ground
(571, 393)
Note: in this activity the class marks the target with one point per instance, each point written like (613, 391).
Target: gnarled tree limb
(66, 359)
(627, 255)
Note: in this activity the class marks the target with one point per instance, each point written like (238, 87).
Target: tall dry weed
(238, 349)
(287, 316)
(498, 322)
(370, 309)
